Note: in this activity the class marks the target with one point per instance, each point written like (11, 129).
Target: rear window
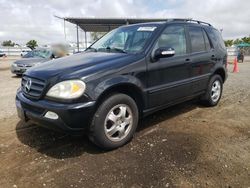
(197, 39)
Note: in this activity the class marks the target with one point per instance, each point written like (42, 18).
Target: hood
(80, 65)
(30, 61)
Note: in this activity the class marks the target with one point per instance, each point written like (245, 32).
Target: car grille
(23, 65)
(34, 89)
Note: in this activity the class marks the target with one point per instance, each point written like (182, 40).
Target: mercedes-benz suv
(129, 73)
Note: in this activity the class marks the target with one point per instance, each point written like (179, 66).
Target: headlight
(69, 89)
(14, 64)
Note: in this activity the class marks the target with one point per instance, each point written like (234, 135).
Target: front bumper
(18, 70)
(73, 118)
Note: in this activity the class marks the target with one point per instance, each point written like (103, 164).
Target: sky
(24, 20)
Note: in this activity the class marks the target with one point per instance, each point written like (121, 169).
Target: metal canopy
(107, 24)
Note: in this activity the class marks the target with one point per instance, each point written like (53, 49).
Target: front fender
(115, 81)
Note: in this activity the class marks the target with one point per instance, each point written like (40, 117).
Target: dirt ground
(183, 146)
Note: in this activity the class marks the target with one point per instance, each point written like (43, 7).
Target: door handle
(187, 60)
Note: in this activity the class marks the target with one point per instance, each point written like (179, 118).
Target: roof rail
(200, 22)
(190, 20)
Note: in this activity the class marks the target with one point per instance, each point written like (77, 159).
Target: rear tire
(214, 91)
(114, 122)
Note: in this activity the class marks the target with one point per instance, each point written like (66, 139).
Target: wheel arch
(129, 89)
(221, 72)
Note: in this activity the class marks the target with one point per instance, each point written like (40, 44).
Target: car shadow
(59, 145)
(168, 113)
(16, 76)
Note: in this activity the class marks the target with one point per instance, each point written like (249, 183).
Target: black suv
(130, 72)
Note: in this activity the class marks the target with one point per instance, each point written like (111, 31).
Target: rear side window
(216, 38)
(207, 43)
(197, 40)
(221, 41)
(174, 37)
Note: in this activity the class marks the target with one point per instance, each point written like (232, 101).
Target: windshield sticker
(146, 28)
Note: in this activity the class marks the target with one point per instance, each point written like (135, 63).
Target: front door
(168, 77)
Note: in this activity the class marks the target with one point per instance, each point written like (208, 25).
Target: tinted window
(207, 43)
(219, 38)
(216, 38)
(197, 40)
(139, 39)
(173, 36)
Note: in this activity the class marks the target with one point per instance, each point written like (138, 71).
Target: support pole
(77, 38)
(86, 43)
(64, 29)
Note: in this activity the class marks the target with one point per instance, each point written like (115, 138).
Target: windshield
(124, 39)
(38, 53)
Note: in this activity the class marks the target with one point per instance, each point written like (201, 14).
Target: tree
(228, 43)
(31, 44)
(246, 39)
(96, 35)
(237, 41)
(8, 43)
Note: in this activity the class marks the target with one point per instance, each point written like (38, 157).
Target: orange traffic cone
(236, 68)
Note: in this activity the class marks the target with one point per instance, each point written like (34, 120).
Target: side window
(219, 37)
(197, 40)
(139, 40)
(174, 37)
(216, 38)
(207, 43)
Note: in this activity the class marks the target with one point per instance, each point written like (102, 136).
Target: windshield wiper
(116, 49)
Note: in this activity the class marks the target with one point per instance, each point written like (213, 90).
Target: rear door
(168, 77)
(202, 56)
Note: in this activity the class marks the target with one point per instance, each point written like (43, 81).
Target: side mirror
(163, 52)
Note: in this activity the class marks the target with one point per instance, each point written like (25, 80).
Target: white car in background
(234, 52)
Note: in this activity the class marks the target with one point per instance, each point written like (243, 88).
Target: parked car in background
(2, 54)
(24, 52)
(31, 59)
(234, 52)
(129, 73)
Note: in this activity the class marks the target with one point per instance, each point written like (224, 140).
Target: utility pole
(64, 29)
(77, 38)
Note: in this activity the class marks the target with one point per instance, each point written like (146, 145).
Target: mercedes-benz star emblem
(28, 85)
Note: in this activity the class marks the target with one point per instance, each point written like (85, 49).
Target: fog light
(51, 115)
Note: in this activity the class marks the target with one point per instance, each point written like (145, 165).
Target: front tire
(114, 122)
(214, 91)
